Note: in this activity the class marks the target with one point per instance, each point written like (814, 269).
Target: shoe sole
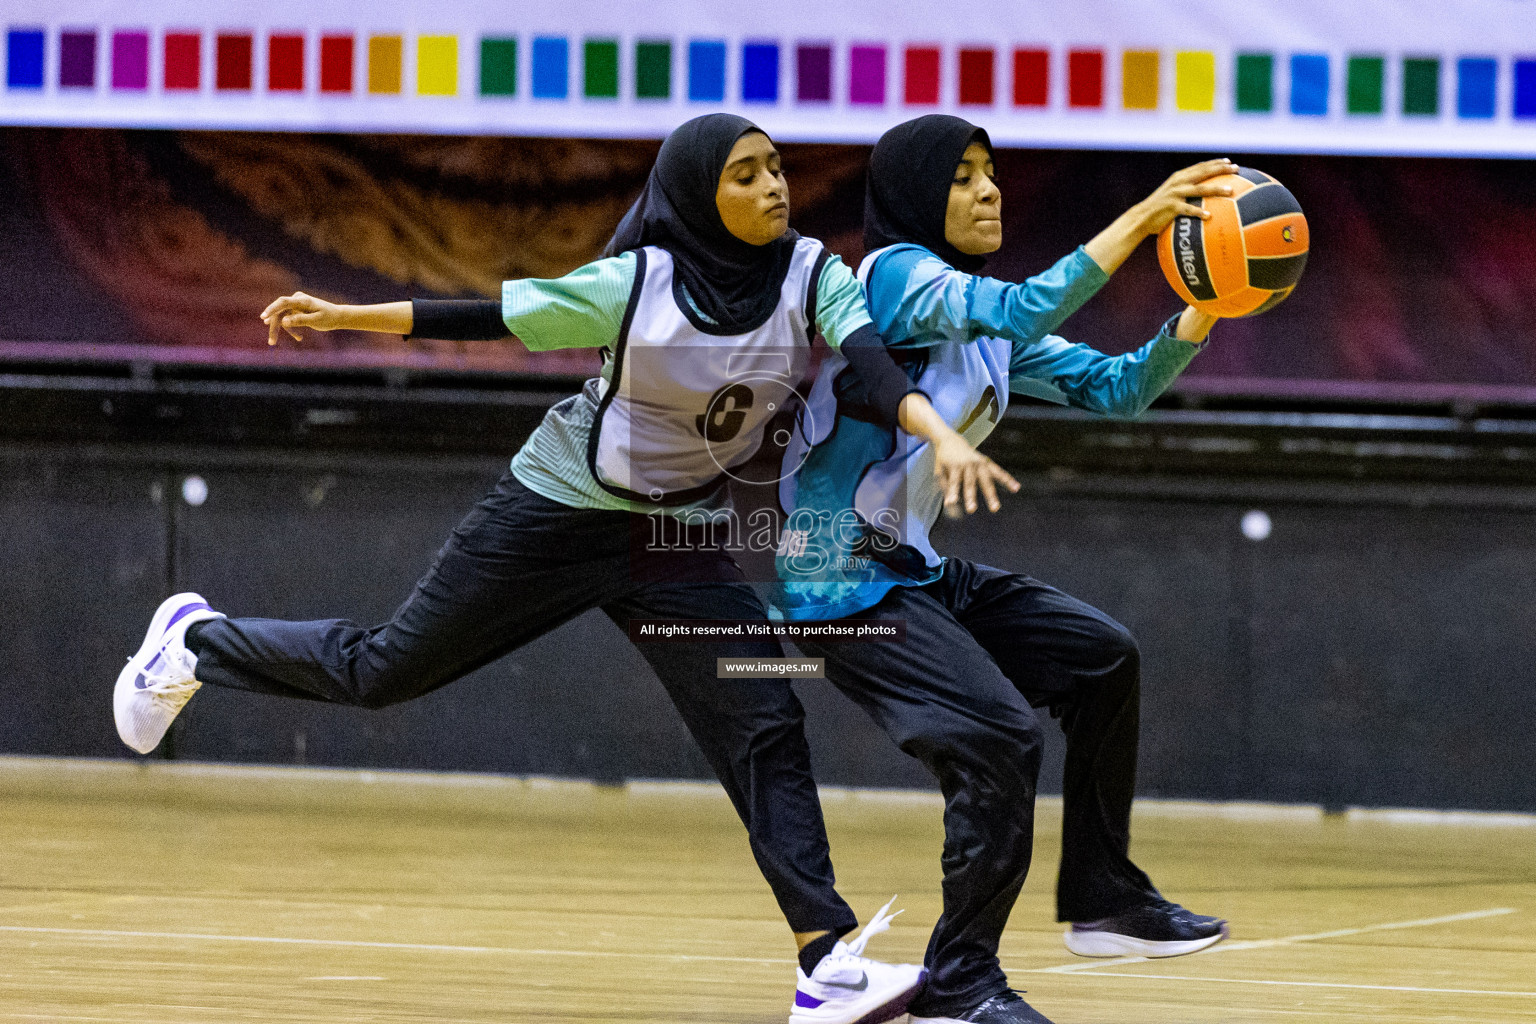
(1103, 944)
(1038, 1016)
(888, 1010)
(142, 657)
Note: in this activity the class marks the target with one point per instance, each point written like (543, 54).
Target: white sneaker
(158, 681)
(847, 988)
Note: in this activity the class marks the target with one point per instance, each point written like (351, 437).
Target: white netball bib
(685, 404)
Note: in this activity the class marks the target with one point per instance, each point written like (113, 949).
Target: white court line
(1318, 984)
(101, 933)
(1232, 947)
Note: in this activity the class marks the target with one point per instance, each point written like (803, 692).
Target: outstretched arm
(1124, 386)
(583, 309)
(291, 312)
(916, 299)
(1116, 386)
(444, 319)
(919, 300)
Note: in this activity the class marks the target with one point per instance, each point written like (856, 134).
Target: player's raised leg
(517, 566)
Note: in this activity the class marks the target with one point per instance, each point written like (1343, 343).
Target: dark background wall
(1376, 649)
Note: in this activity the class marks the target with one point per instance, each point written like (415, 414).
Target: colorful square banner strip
(1139, 79)
(1309, 84)
(1372, 84)
(1194, 81)
(921, 72)
(813, 73)
(1085, 79)
(386, 64)
(551, 67)
(336, 64)
(866, 74)
(232, 62)
(978, 77)
(285, 63)
(24, 48)
(1477, 81)
(498, 66)
(1421, 86)
(1255, 83)
(600, 69)
(1031, 78)
(706, 71)
(437, 65)
(183, 61)
(653, 69)
(77, 60)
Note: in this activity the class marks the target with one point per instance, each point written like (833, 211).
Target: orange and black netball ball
(1247, 257)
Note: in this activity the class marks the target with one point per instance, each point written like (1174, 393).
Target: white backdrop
(1500, 31)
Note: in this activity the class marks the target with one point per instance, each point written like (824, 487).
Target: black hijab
(910, 173)
(734, 283)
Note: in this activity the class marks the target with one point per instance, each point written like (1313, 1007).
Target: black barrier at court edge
(1369, 645)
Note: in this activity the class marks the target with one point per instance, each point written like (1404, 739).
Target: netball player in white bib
(984, 648)
(703, 308)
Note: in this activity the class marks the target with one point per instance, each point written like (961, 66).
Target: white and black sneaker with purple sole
(1157, 930)
(160, 678)
(848, 988)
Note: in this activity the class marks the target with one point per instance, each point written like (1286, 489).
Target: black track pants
(983, 650)
(518, 566)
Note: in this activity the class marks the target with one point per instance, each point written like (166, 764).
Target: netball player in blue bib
(703, 308)
(983, 648)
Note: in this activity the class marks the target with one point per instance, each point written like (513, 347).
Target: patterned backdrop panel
(167, 244)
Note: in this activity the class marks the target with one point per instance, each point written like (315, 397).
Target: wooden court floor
(185, 894)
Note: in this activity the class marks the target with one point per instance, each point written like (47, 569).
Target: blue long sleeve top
(861, 498)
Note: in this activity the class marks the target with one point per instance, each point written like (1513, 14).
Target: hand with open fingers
(961, 471)
(292, 312)
(1172, 198)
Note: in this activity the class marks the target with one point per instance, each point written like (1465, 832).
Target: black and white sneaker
(1007, 1008)
(1157, 930)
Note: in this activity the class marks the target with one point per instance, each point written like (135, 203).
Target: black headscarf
(910, 173)
(734, 283)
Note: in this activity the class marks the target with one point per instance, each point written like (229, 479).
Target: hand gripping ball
(1247, 257)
